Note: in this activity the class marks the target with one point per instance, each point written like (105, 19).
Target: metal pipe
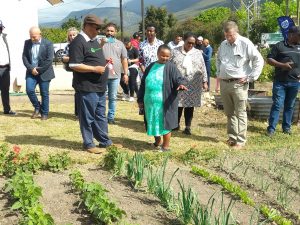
(143, 18)
(121, 19)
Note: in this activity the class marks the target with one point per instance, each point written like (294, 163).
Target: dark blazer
(45, 59)
(171, 80)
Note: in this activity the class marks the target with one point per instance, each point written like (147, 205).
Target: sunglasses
(191, 43)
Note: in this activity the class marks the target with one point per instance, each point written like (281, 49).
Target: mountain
(135, 5)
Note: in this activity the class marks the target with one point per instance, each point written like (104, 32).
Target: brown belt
(4, 66)
(230, 80)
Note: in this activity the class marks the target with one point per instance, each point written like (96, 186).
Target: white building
(17, 17)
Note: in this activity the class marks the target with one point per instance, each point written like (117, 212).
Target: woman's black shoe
(187, 131)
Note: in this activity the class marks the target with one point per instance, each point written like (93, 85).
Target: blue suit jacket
(45, 59)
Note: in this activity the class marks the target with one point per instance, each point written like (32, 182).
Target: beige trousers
(234, 97)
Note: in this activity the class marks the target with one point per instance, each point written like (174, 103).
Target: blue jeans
(284, 94)
(112, 88)
(31, 82)
(92, 120)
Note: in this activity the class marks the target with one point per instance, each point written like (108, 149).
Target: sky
(49, 13)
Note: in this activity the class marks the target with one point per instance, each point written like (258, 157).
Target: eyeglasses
(96, 27)
(191, 43)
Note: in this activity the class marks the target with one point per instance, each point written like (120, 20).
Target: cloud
(49, 13)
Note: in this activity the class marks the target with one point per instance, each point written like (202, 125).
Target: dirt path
(7, 216)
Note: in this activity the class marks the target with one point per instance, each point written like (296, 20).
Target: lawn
(268, 169)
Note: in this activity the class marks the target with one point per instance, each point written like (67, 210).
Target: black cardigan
(171, 80)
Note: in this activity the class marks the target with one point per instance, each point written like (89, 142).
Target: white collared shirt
(239, 60)
(4, 57)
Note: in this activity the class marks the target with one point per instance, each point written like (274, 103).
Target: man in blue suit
(37, 57)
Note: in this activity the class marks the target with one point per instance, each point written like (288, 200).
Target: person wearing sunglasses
(190, 63)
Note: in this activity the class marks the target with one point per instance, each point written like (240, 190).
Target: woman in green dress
(158, 97)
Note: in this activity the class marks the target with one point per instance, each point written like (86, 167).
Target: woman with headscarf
(190, 63)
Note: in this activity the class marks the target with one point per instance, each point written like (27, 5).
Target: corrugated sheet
(54, 2)
(260, 106)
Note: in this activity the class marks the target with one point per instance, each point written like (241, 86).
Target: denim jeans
(284, 94)
(31, 82)
(92, 120)
(112, 88)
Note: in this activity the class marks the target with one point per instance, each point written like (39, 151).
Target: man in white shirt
(5, 72)
(176, 42)
(238, 63)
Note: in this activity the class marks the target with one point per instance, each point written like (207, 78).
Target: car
(59, 49)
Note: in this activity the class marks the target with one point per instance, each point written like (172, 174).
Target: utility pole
(121, 19)
(143, 18)
(298, 2)
(287, 7)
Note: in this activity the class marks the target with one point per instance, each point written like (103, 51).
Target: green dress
(153, 101)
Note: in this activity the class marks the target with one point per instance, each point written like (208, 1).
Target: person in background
(284, 56)
(133, 59)
(135, 40)
(5, 72)
(190, 63)
(148, 48)
(71, 34)
(115, 50)
(37, 57)
(158, 97)
(199, 44)
(207, 54)
(238, 63)
(176, 42)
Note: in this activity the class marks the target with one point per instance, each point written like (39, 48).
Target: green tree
(270, 11)
(216, 15)
(56, 35)
(159, 17)
(71, 22)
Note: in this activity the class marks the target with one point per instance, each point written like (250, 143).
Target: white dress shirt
(239, 60)
(4, 57)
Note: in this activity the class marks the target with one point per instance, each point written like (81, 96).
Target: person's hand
(99, 69)
(242, 80)
(34, 72)
(182, 88)
(125, 78)
(205, 86)
(110, 60)
(287, 65)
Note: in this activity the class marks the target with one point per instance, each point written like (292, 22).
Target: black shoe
(111, 122)
(288, 132)
(270, 133)
(187, 131)
(10, 112)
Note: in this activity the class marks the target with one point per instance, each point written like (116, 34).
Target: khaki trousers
(234, 97)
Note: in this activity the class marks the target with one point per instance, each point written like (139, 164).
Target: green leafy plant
(95, 200)
(58, 162)
(109, 161)
(23, 190)
(36, 215)
(3, 157)
(228, 186)
(136, 169)
(274, 215)
(203, 215)
(163, 189)
(187, 200)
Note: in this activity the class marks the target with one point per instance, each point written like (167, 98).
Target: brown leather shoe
(96, 150)
(35, 114)
(44, 117)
